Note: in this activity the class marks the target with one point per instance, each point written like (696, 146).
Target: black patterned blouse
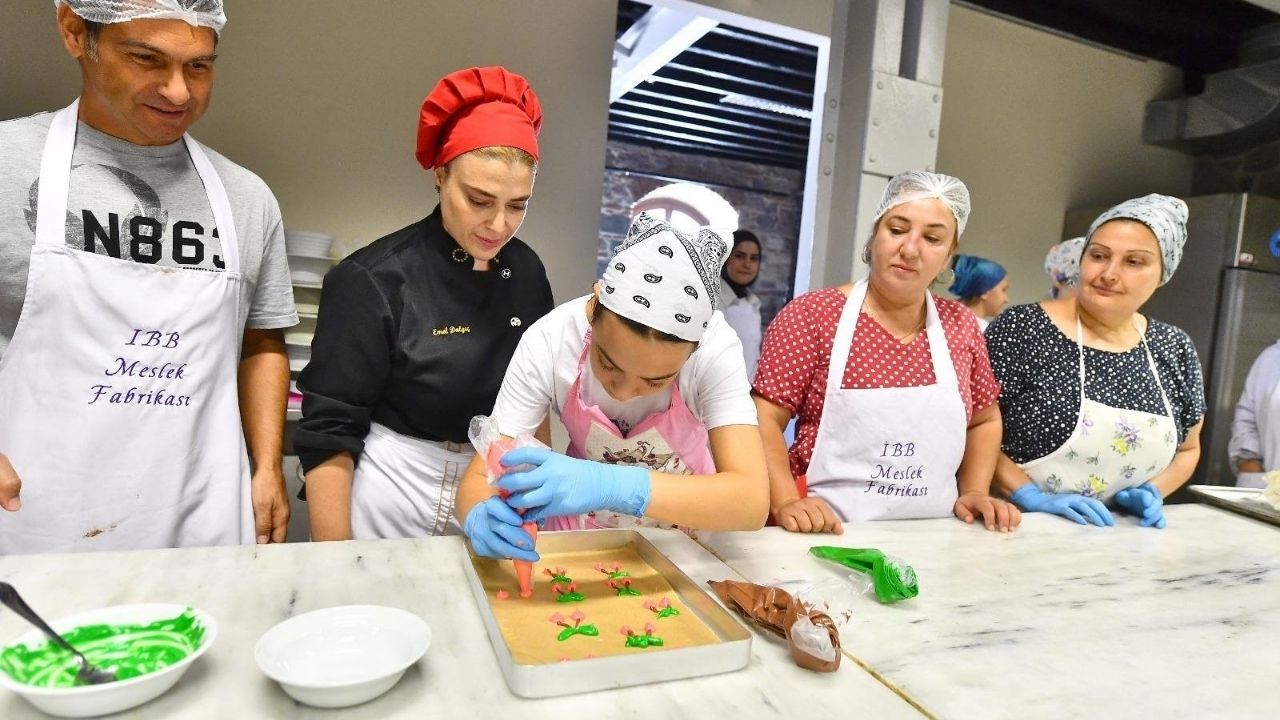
(1039, 373)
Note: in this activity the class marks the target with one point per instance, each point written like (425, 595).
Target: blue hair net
(975, 276)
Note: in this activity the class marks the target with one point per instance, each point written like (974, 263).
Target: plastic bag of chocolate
(811, 636)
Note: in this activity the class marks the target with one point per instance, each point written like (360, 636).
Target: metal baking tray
(731, 652)
(1244, 501)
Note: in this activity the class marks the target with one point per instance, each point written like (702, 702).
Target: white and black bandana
(665, 279)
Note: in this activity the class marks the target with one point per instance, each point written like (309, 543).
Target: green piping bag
(892, 578)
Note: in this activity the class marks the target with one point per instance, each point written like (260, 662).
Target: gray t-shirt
(141, 203)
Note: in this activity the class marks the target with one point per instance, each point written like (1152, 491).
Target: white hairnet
(920, 185)
(196, 13)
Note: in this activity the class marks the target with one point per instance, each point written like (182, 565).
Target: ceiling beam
(652, 42)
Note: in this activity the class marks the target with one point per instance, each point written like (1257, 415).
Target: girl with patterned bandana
(649, 381)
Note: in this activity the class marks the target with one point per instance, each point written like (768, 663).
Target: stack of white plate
(309, 257)
(298, 345)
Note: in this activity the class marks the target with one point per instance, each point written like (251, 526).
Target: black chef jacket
(413, 339)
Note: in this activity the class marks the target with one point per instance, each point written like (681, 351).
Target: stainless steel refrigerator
(1226, 296)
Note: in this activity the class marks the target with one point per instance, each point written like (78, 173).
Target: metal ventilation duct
(1238, 109)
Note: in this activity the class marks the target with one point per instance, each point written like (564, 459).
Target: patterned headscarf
(664, 279)
(1166, 217)
(1062, 263)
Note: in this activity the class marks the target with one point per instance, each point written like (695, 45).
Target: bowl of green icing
(148, 646)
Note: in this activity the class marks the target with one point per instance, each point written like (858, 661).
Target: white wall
(1036, 124)
(321, 99)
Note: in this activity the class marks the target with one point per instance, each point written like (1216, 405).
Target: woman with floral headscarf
(1101, 403)
(1062, 265)
(648, 379)
(891, 387)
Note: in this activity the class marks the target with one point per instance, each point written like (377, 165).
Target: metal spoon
(87, 674)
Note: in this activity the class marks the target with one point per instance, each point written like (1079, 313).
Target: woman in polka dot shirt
(1100, 403)
(904, 423)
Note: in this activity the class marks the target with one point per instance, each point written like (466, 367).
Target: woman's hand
(1146, 502)
(494, 530)
(1077, 508)
(560, 485)
(808, 515)
(995, 513)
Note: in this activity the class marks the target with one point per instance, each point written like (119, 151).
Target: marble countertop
(249, 589)
(1056, 620)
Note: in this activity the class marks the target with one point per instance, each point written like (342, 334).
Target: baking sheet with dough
(532, 637)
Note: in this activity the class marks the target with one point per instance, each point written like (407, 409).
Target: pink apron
(672, 441)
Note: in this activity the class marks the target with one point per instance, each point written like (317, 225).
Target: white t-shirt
(713, 381)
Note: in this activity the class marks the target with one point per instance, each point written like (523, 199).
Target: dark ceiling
(1199, 36)
(681, 107)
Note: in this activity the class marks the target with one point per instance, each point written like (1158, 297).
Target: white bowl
(342, 656)
(302, 242)
(307, 269)
(113, 697)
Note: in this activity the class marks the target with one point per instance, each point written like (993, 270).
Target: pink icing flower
(577, 616)
(649, 628)
(648, 605)
(503, 594)
(559, 590)
(665, 603)
(556, 618)
(626, 630)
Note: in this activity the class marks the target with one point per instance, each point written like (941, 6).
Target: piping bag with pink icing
(485, 438)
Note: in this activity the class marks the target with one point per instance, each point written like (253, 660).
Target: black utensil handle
(10, 597)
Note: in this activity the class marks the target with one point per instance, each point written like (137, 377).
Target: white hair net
(196, 13)
(920, 185)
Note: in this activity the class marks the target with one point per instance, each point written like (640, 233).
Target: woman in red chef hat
(415, 331)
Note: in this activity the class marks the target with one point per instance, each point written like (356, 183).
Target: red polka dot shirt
(797, 350)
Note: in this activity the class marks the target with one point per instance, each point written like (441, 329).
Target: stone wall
(1256, 170)
(767, 200)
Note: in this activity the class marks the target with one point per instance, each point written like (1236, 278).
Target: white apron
(118, 398)
(671, 441)
(1111, 448)
(889, 453)
(405, 487)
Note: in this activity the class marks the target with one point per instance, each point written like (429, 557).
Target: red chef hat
(474, 108)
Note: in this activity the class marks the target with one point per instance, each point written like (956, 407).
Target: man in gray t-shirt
(134, 194)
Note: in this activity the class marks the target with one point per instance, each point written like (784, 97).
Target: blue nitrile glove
(494, 530)
(561, 485)
(1084, 510)
(1146, 502)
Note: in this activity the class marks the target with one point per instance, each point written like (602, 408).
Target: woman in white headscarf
(740, 306)
(1101, 403)
(649, 382)
(891, 387)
